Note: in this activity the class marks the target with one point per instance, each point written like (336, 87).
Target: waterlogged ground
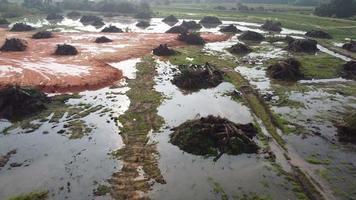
(72, 151)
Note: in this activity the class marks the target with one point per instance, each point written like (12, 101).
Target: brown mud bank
(88, 70)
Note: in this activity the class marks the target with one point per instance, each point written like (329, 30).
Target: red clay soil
(39, 67)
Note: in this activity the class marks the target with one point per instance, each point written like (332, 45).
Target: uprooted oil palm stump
(195, 77)
(214, 136)
(191, 38)
(350, 46)
(239, 48)
(318, 34)
(19, 27)
(230, 29)
(286, 70)
(349, 70)
(163, 50)
(66, 50)
(177, 29)
(302, 45)
(251, 36)
(170, 19)
(270, 25)
(42, 35)
(191, 25)
(210, 20)
(17, 103)
(14, 44)
(112, 29)
(102, 39)
(347, 129)
(143, 24)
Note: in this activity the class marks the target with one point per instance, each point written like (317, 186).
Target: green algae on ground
(313, 159)
(218, 189)
(31, 196)
(102, 190)
(137, 122)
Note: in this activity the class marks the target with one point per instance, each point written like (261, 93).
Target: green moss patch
(31, 196)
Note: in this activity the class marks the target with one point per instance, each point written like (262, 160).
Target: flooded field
(114, 140)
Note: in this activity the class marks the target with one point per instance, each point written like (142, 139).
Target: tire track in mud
(140, 168)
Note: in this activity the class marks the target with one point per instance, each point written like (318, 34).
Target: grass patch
(102, 190)
(313, 159)
(31, 196)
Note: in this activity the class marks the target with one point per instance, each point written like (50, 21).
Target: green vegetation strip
(31, 196)
(137, 122)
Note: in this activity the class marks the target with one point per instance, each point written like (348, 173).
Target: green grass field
(293, 17)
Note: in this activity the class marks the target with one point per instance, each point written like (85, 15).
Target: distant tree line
(337, 8)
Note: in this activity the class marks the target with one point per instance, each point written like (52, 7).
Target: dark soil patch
(73, 14)
(191, 38)
(4, 21)
(318, 34)
(17, 103)
(210, 20)
(214, 136)
(347, 129)
(102, 39)
(5, 158)
(191, 25)
(54, 16)
(163, 50)
(251, 36)
(350, 46)
(19, 27)
(230, 29)
(112, 29)
(286, 70)
(270, 25)
(42, 35)
(239, 48)
(66, 50)
(196, 77)
(143, 24)
(177, 29)
(349, 70)
(303, 45)
(14, 44)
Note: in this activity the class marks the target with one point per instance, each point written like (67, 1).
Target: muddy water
(189, 176)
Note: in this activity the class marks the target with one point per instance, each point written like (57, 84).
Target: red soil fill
(39, 67)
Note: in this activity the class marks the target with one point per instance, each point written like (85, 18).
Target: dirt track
(38, 67)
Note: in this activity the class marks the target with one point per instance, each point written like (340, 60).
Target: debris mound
(270, 25)
(163, 50)
(349, 70)
(18, 27)
(350, 46)
(177, 29)
(42, 35)
(195, 77)
(239, 48)
(303, 45)
(73, 14)
(17, 102)
(230, 29)
(214, 136)
(54, 16)
(143, 24)
(286, 70)
(251, 36)
(210, 20)
(88, 19)
(5, 158)
(191, 25)
(170, 19)
(191, 38)
(14, 44)
(4, 21)
(347, 129)
(102, 39)
(318, 34)
(112, 29)
(66, 50)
